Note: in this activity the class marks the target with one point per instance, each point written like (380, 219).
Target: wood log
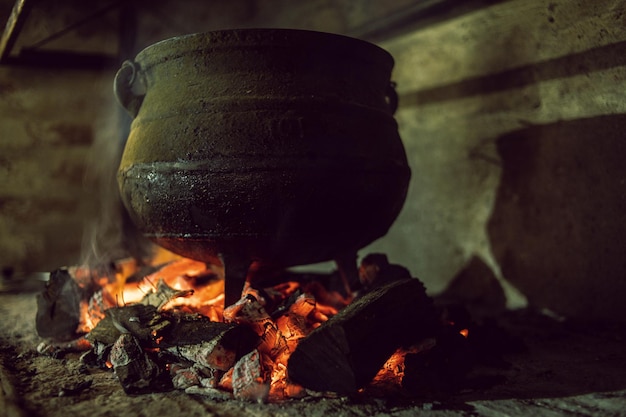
(346, 352)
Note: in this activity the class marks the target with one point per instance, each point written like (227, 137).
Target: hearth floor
(567, 369)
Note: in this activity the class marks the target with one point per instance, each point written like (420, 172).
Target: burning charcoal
(58, 350)
(285, 303)
(273, 342)
(135, 370)
(209, 344)
(294, 390)
(281, 387)
(295, 324)
(163, 295)
(210, 378)
(251, 379)
(97, 356)
(211, 354)
(226, 382)
(249, 312)
(58, 307)
(347, 351)
(184, 377)
(142, 321)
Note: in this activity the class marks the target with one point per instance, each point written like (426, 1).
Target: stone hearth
(567, 368)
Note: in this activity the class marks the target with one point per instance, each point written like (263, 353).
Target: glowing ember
(186, 286)
(164, 325)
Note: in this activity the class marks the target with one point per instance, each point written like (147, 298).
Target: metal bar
(14, 25)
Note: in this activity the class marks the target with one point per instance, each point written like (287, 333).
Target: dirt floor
(564, 368)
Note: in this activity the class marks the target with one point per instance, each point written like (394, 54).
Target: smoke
(110, 235)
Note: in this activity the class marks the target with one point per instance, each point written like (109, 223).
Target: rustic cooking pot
(270, 145)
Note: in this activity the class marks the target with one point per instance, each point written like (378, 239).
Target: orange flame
(199, 288)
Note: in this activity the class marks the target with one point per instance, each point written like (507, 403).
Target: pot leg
(347, 267)
(235, 274)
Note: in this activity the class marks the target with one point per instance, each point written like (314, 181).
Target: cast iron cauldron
(269, 145)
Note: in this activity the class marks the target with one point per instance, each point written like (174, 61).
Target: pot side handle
(129, 88)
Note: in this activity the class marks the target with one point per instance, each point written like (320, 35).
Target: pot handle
(392, 97)
(129, 87)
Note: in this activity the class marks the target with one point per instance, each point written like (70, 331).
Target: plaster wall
(511, 114)
(512, 117)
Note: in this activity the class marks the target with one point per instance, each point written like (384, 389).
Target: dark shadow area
(477, 289)
(545, 358)
(558, 228)
(558, 232)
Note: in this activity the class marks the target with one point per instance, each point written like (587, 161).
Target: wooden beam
(14, 25)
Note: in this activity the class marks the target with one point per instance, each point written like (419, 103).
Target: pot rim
(333, 43)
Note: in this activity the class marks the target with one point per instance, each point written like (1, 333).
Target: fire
(194, 286)
(163, 325)
(188, 286)
(392, 372)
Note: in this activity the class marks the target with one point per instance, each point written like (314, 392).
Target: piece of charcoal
(163, 295)
(346, 352)
(251, 378)
(97, 356)
(187, 330)
(191, 337)
(142, 321)
(250, 313)
(134, 368)
(58, 307)
(210, 344)
(295, 325)
(184, 376)
(60, 349)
